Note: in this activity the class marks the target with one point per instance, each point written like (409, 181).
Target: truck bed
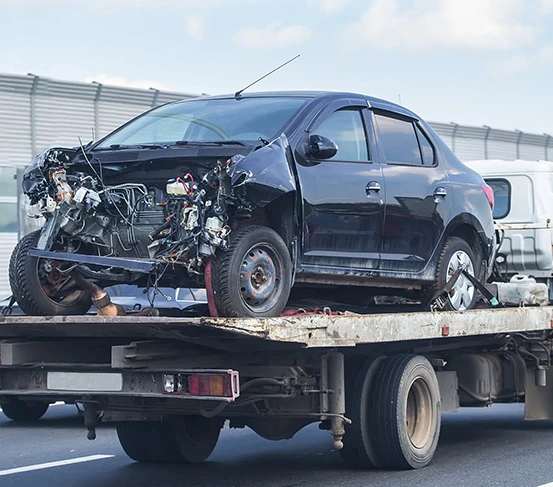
(309, 331)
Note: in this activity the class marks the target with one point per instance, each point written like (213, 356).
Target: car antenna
(238, 93)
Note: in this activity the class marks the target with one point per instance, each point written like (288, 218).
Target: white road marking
(550, 484)
(61, 463)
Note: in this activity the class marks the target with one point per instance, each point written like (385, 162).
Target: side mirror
(322, 147)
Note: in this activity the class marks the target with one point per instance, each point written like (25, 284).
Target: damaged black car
(252, 196)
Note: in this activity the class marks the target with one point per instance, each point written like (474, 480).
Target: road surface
(478, 447)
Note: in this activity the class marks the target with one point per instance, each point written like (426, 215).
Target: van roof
(490, 167)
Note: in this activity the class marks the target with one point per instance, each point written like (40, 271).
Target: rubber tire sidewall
(227, 265)
(359, 441)
(452, 245)
(26, 287)
(17, 410)
(388, 418)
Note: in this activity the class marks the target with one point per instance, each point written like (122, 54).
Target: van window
(502, 196)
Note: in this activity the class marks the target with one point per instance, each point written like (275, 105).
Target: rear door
(418, 194)
(343, 197)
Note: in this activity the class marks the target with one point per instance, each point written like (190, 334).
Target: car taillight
(489, 194)
(206, 384)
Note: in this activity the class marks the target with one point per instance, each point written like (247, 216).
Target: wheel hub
(259, 278)
(462, 292)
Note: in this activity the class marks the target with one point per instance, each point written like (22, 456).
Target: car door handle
(372, 186)
(440, 193)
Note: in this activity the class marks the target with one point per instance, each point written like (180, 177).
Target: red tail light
(207, 384)
(489, 194)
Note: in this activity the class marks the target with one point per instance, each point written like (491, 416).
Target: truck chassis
(379, 383)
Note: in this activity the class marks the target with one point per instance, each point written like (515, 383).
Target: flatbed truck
(378, 383)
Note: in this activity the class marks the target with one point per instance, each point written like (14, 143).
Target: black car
(252, 195)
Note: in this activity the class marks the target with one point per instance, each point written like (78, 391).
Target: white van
(523, 193)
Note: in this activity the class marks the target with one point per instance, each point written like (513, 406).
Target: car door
(343, 197)
(418, 200)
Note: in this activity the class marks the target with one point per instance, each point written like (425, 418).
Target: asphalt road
(478, 447)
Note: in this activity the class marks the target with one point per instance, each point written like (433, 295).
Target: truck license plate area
(84, 381)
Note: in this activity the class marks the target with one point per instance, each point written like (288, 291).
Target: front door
(418, 194)
(343, 197)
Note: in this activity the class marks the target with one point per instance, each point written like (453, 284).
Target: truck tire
(18, 410)
(253, 277)
(187, 439)
(456, 252)
(359, 441)
(31, 293)
(405, 412)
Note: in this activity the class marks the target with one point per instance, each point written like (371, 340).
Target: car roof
(330, 95)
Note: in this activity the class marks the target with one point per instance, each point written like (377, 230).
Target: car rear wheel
(455, 254)
(37, 284)
(254, 276)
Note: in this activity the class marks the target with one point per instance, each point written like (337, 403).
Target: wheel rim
(460, 296)
(419, 415)
(260, 283)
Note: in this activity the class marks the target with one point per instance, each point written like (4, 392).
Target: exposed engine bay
(176, 226)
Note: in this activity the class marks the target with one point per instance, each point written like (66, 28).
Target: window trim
(509, 199)
(352, 108)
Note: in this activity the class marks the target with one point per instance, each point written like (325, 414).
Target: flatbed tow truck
(378, 382)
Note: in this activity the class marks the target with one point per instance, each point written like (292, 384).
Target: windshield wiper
(211, 142)
(133, 146)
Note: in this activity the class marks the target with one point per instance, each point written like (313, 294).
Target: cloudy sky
(469, 61)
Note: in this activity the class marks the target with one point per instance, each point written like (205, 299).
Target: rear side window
(345, 128)
(404, 142)
(502, 196)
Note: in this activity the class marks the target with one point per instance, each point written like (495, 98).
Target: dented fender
(264, 175)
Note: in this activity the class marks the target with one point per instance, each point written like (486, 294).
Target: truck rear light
(489, 194)
(205, 384)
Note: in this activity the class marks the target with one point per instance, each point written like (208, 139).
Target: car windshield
(209, 120)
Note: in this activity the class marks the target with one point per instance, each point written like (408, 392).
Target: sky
(476, 62)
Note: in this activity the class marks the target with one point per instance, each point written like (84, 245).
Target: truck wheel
(18, 410)
(405, 412)
(33, 282)
(254, 276)
(182, 440)
(359, 441)
(456, 253)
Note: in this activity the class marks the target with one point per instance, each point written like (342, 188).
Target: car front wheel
(254, 276)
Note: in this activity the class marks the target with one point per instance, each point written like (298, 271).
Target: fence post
(486, 137)
(33, 114)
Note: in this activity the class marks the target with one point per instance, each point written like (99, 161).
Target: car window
(399, 141)
(427, 151)
(345, 128)
(502, 196)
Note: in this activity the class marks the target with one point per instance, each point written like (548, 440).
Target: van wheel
(254, 276)
(36, 284)
(18, 410)
(405, 412)
(186, 439)
(456, 253)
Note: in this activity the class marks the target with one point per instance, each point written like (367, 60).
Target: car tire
(18, 410)
(253, 277)
(30, 293)
(405, 414)
(455, 252)
(185, 439)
